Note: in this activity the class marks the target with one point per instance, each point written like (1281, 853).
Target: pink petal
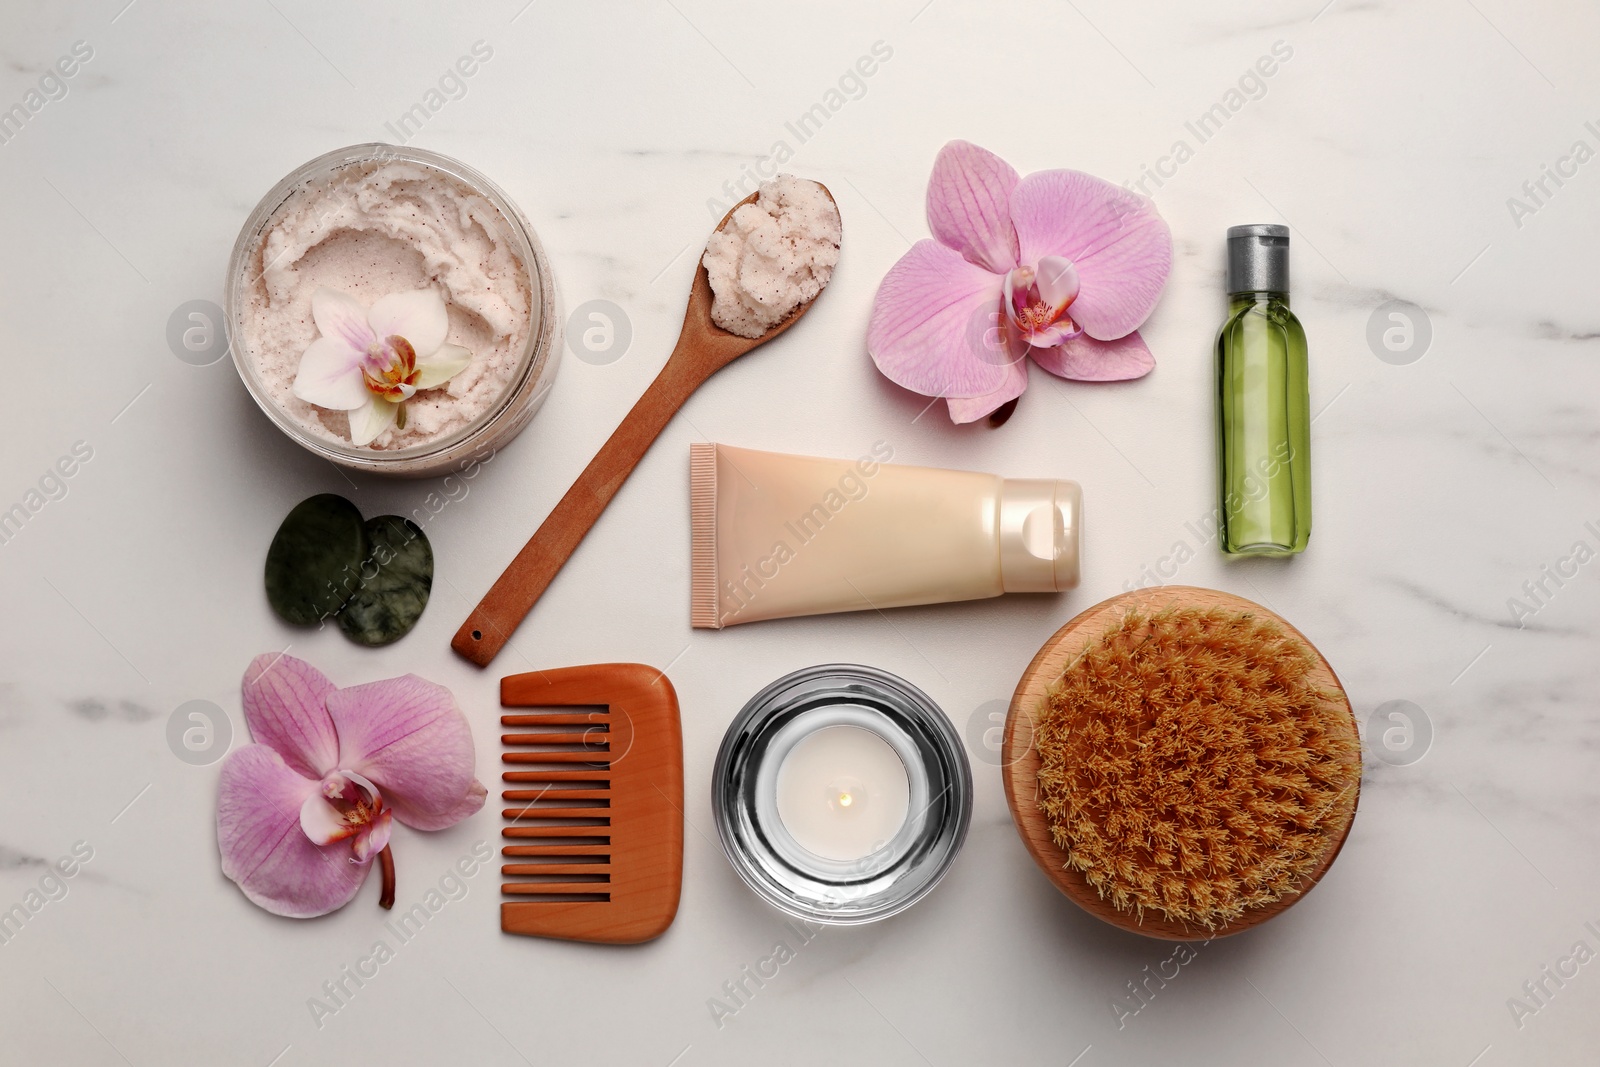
(419, 316)
(928, 319)
(1085, 359)
(410, 739)
(1119, 243)
(263, 848)
(978, 407)
(342, 318)
(285, 708)
(330, 376)
(969, 205)
(469, 805)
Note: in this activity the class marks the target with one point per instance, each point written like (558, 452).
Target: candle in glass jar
(843, 792)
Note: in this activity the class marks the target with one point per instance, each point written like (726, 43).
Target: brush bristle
(1191, 766)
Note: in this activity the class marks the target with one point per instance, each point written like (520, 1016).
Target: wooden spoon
(703, 349)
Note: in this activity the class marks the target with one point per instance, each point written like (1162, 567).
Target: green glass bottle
(1263, 403)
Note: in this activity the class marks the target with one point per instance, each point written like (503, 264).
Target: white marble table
(1391, 140)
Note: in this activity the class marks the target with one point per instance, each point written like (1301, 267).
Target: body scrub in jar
(392, 311)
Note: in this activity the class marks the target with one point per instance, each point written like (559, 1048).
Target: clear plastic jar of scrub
(373, 220)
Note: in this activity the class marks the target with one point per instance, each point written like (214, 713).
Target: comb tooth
(558, 851)
(556, 831)
(556, 794)
(548, 888)
(557, 719)
(600, 759)
(556, 868)
(569, 737)
(558, 813)
(598, 776)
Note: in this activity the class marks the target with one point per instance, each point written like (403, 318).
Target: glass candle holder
(841, 794)
(319, 199)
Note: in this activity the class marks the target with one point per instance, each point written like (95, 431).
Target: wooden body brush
(1181, 763)
(703, 349)
(595, 822)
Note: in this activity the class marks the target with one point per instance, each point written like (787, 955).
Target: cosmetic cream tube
(777, 535)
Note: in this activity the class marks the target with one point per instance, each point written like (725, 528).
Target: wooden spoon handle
(511, 597)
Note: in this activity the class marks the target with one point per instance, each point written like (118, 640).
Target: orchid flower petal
(369, 421)
(340, 317)
(1120, 245)
(470, 804)
(928, 320)
(330, 376)
(1085, 359)
(969, 205)
(263, 849)
(444, 364)
(419, 316)
(407, 735)
(975, 408)
(285, 706)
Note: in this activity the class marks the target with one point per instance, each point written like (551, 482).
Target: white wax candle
(842, 792)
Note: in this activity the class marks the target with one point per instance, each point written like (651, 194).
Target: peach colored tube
(778, 535)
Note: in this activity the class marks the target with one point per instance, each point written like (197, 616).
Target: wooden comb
(595, 839)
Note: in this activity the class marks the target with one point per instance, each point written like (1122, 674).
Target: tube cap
(1040, 526)
(1258, 258)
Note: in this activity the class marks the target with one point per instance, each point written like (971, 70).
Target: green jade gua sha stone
(315, 559)
(395, 580)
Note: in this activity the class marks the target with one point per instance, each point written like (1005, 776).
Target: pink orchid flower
(369, 363)
(302, 813)
(1060, 266)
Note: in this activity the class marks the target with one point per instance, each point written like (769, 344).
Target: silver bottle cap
(1258, 258)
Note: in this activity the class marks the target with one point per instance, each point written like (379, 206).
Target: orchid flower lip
(346, 805)
(1037, 298)
(389, 368)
